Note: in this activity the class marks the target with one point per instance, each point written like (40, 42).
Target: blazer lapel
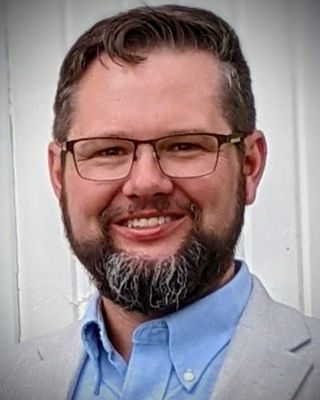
(67, 365)
(268, 356)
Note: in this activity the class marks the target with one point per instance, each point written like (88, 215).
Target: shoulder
(262, 303)
(283, 325)
(41, 347)
(272, 315)
(48, 361)
(274, 353)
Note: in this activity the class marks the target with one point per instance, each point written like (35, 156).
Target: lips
(140, 223)
(147, 226)
(149, 219)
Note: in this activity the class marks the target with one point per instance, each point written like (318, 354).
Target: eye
(183, 146)
(112, 151)
(187, 146)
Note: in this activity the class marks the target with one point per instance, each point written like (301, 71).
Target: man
(155, 156)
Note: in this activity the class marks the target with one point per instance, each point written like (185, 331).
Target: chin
(151, 252)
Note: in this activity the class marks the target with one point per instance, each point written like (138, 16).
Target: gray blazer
(274, 355)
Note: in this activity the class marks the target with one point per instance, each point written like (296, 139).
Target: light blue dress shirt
(175, 357)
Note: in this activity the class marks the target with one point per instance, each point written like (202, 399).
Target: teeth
(147, 222)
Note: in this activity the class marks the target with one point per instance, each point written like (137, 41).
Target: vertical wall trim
(301, 168)
(65, 43)
(301, 210)
(17, 272)
(15, 219)
(15, 256)
(298, 155)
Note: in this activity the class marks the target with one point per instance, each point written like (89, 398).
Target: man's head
(152, 199)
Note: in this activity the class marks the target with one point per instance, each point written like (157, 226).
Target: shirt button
(188, 376)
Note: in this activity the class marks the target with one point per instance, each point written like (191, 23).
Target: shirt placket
(148, 370)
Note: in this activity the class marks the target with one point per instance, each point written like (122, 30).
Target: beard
(159, 286)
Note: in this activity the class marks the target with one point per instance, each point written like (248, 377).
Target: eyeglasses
(178, 156)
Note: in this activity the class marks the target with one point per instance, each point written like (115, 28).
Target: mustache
(160, 204)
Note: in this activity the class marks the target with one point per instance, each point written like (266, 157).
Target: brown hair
(127, 37)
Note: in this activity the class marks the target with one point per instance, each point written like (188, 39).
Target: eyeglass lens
(179, 156)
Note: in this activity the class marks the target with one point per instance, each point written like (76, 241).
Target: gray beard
(149, 286)
(164, 285)
(146, 286)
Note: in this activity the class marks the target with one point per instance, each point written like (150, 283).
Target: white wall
(42, 288)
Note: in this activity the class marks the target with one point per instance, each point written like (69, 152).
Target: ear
(254, 163)
(55, 168)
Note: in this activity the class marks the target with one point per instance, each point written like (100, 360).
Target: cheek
(216, 198)
(86, 201)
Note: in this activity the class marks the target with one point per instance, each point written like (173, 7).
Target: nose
(146, 179)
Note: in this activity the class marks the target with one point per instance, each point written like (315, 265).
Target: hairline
(224, 77)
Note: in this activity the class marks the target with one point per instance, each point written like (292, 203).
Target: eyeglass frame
(235, 138)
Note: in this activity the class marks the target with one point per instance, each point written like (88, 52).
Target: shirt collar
(92, 328)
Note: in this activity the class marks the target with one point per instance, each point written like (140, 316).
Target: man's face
(148, 216)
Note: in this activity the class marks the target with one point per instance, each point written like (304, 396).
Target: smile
(147, 228)
(147, 222)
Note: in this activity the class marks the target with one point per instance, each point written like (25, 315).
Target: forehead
(170, 90)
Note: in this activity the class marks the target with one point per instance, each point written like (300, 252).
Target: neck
(122, 323)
